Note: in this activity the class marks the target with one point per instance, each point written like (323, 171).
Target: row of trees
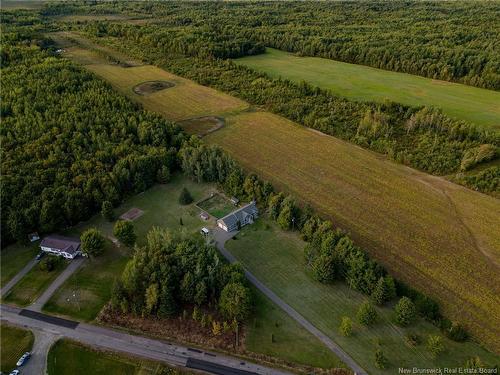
(330, 253)
(423, 138)
(170, 272)
(69, 141)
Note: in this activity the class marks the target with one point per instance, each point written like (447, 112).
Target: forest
(60, 162)
(453, 41)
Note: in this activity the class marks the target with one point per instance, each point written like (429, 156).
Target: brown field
(202, 125)
(431, 233)
(439, 237)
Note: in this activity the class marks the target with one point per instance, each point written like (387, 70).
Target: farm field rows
(276, 258)
(359, 82)
(437, 236)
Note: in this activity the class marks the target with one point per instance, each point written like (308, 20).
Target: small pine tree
(367, 314)
(216, 328)
(185, 197)
(384, 291)
(196, 314)
(435, 345)
(226, 326)
(474, 363)
(345, 326)
(107, 211)
(381, 361)
(180, 221)
(204, 321)
(405, 311)
(163, 175)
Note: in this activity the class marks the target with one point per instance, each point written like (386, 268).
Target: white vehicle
(23, 359)
(15, 372)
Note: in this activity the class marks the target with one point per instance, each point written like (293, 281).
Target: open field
(14, 342)
(439, 237)
(14, 258)
(276, 258)
(33, 284)
(427, 231)
(22, 4)
(72, 358)
(359, 82)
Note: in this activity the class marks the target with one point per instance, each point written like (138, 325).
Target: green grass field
(71, 358)
(14, 342)
(217, 206)
(33, 284)
(14, 258)
(276, 258)
(359, 82)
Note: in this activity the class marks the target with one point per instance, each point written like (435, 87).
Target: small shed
(33, 237)
(204, 216)
(235, 201)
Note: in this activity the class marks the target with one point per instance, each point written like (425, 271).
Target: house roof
(64, 244)
(240, 214)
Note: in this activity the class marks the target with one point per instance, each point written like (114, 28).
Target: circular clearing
(202, 125)
(150, 87)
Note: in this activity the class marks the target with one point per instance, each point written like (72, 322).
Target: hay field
(431, 233)
(359, 82)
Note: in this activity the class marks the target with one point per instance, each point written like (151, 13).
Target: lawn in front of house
(33, 284)
(217, 206)
(67, 357)
(275, 257)
(14, 342)
(14, 258)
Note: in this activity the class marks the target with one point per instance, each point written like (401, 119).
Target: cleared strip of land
(359, 82)
(435, 235)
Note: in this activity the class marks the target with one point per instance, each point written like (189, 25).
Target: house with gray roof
(63, 246)
(239, 218)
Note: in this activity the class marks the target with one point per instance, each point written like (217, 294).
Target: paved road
(221, 237)
(156, 350)
(18, 277)
(69, 270)
(38, 360)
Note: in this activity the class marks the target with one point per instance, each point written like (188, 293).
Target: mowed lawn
(84, 294)
(14, 342)
(67, 357)
(14, 258)
(437, 236)
(276, 258)
(33, 284)
(359, 82)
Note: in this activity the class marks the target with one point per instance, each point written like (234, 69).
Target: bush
(384, 291)
(107, 211)
(412, 339)
(49, 263)
(92, 242)
(435, 345)
(345, 326)
(367, 314)
(163, 176)
(457, 333)
(185, 197)
(405, 311)
(381, 361)
(124, 231)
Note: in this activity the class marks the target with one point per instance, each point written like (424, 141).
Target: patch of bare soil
(150, 87)
(132, 214)
(202, 126)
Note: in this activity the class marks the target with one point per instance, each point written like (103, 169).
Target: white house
(241, 217)
(66, 247)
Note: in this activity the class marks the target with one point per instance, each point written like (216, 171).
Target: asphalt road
(221, 237)
(47, 327)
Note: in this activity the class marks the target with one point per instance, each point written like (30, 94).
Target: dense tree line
(170, 273)
(453, 41)
(69, 142)
(423, 138)
(330, 254)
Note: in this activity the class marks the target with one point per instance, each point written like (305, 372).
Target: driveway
(70, 269)
(27, 268)
(221, 237)
(37, 363)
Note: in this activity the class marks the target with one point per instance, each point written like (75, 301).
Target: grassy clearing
(272, 332)
(14, 258)
(276, 258)
(427, 231)
(202, 125)
(218, 206)
(358, 82)
(22, 4)
(33, 284)
(15, 341)
(72, 358)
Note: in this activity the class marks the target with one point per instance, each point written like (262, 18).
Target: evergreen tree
(405, 311)
(107, 211)
(185, 197)
(381, 361)
(435, 345)
(367, 314)
(345, 326)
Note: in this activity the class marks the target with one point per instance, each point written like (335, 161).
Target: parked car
(23, 359)
(15, 372)
(40, 255)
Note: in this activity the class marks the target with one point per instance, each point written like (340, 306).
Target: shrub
(412, 339)
(474, 363)
(367, 314)
(92, 242)
(405, 311)
(435, 345)
(381, 361)
(124, 231)
(457, 333)
(185, 197)
(163, 175)
(49, 263)
(345, 326)
(107, 211)
(216, 328)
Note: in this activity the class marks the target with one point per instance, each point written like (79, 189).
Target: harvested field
(132, 214)
(439, 237)
(148, 88)
(202, 126)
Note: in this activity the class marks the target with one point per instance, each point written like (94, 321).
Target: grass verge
(15, 341)
(14, 258)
